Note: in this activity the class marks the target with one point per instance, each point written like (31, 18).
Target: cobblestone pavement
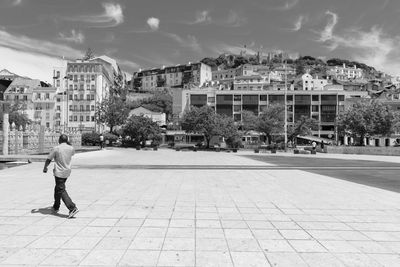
(205, 216)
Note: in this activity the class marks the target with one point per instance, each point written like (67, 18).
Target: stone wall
(36, 141)
(364, 150)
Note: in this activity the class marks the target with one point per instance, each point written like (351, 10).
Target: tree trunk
(362, 140)
(208, 139)
(111, 128)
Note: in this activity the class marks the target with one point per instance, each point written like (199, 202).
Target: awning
(316, 139)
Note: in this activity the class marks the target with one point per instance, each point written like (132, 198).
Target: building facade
(81, 85)
(345, 73)
(34, 99)
(311, 83)
(196, 74)
(324, 106)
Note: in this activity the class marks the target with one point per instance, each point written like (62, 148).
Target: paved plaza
(169, 208)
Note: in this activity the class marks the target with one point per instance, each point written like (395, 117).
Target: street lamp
(286, 115)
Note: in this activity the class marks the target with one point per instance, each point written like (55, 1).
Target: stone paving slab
(134, 217)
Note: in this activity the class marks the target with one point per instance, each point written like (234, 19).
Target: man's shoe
(54, 210)
(72, 213)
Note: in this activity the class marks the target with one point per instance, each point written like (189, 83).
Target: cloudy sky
(36, 34)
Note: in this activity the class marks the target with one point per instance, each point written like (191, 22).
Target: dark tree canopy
(112, 111)
(140, 129)
(367, 118)
(205, 121)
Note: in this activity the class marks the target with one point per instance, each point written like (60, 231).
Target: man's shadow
(48, 211)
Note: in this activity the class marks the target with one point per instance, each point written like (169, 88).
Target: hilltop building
(192, 74)
(345, 73)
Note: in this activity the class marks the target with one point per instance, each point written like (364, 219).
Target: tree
(112, 111)
(89, 54)
(205, 121)
(249, 121)
(366, 118)
(16, 116)
(159, 102)
(140, 129)
(271, 120)
(303, 126)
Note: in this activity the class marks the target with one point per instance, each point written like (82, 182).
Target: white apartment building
(196, 74)
(82, 85)
(250, 83)
(310, 83)
(345, 73)
(36, 100)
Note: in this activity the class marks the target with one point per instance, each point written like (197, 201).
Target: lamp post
(286, 115)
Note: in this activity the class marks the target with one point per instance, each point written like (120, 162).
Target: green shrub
(90, 139)
(110, 137)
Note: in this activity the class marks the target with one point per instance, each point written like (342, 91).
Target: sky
(35, 35)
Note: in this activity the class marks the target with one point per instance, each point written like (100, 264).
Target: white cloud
(327, 33)
(16, 2)
(298, 24)
(189, 41)
(34, 66)
(154, 23)
(234, 19)
(30, 45)
(373, 47)
(32, 57)
(75, 37)
(289, 4)
(111, 17)
(202, 17)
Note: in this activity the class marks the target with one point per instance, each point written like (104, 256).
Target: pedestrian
(61, 155)
(322, 146)
(314, 145)
(101, 141)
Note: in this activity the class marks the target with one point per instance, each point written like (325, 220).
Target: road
(384, 175)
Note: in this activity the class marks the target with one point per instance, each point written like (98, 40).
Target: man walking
(61, 155)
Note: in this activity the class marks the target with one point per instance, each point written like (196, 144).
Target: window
(87, 118)
(47, 105)
(71, 108)
(341, 97)
(81, 97)
(70, 118)
(16, 97)
(289, 97)
(75, 97)
(58, 99)
(58, 108)
(80, 118)
(81, 108)
(92, 87)
(237, 98)
(81, 87)
(75, 87)
(75, 118)
(93, 77)
(315, 98)
(71, 87)
(92, 118)
(92, 107)
(263, 97)
(25, 97)
(75, 78)
(237, 108)
(82, 77)
(70, 97)
(47, 96)
(92, 97)
(58, 83)
(315, 108)
(87, 107)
